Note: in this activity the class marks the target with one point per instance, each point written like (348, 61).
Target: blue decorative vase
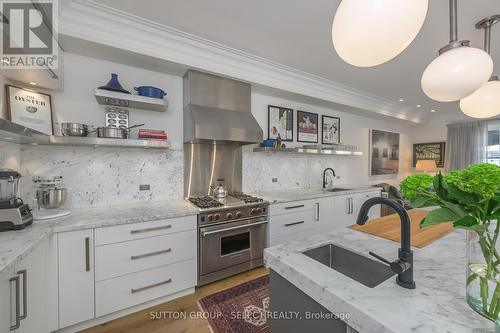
(114, 85)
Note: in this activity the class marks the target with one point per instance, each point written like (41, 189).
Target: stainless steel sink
(337, 189)
(369, 272)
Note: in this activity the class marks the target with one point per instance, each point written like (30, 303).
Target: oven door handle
(206, 233)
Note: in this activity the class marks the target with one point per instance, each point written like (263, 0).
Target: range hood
(217, 110)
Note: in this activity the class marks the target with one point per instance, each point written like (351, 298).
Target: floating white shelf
(105, 142)
(300, 150)
(106, 97)
(15, 133)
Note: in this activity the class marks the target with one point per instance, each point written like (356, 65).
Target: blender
(14, 214)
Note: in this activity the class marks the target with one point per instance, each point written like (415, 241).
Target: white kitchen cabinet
(324, 216)
(32, 282)
(76, 277)
(347, 207)
(8, 284)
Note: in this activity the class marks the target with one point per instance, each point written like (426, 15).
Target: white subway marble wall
(10, 156)
(105, 176)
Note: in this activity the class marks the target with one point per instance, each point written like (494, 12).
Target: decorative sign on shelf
(429, 151)
(280, 122)
(384, 153)
(331, 130)
(29, 108)
(307, 127)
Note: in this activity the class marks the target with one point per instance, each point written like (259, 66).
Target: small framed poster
(280, 122)
(307, 127)
(29, 108)
(330, 130)
(429, 151)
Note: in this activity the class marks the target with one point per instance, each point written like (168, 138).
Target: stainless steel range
(217, 122)
(231, 235)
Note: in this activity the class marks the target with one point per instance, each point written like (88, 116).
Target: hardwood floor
(140, 322)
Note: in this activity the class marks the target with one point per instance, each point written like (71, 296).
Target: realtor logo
(29, 34)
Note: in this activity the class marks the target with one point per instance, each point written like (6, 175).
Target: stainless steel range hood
(218, 110)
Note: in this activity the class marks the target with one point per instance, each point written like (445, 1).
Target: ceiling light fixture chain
(454, 42)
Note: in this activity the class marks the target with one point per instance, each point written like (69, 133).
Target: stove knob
(229, 216)
(217, 217)
(253, 211)
(259, 210)
(210, 217)
(238, 214)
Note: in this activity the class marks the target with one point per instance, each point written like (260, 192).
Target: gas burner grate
(205, 202)
(245, 197)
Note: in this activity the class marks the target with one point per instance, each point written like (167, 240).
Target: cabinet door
(32, 281)
(324, 214)
(9, 288)
(76, 277)
(358, 200)
(343, 216)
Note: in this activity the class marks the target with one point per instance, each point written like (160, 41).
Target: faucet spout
(404, 265)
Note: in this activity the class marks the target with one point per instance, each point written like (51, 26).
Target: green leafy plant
(470, 199)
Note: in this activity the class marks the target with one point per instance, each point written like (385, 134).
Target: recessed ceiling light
(33, 83)
(433, 110)
(419, 106)
(401, 100)
(34, 144)
(7, 138)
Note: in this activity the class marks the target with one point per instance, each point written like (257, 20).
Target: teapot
(218, 191)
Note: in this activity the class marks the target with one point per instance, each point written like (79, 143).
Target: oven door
(229, 244)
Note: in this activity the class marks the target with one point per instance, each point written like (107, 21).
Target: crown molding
(88, 20)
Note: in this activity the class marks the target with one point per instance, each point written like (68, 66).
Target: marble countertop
(436, 305)
(16, 244)
(283, 196)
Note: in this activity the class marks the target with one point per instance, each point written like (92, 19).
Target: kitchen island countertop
(436, 305)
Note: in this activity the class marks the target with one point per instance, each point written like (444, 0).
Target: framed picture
(280, 122)
(384, 153)
(429, 151)
(330, 130)
(307, 127)
(29, 108)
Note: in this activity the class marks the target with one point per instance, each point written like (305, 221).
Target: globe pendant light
(367, 33)
(459, 70)
(485, 102)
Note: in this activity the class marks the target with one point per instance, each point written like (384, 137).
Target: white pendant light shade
(484, 103)
(367, 33)
(456, 74)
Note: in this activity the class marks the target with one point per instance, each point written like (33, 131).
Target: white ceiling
(298, 34)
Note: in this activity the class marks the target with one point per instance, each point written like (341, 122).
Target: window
(493, 150)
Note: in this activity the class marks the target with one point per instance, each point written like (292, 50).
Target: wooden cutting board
(389, 227)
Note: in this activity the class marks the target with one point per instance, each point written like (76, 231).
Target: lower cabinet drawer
(285, 224)
(290, 237)
(128, 257)
(123, 292)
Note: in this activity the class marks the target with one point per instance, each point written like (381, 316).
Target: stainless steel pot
(115, 132)
(51, 197)
(74, 129)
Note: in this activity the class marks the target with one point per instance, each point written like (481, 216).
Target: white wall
(295, 171)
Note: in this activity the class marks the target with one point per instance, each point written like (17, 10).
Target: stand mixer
(48, 197)
(14, 214)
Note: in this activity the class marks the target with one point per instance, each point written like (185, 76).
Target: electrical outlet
(274, 180)
(144, 187)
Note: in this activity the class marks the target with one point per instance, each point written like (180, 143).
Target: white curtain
(466, 144)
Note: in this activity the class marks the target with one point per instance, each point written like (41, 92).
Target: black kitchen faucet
(404, 265)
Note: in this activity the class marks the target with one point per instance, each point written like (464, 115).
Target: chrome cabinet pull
(16, 325)
(351, 200)
(24, 273)
(294, 223)
(348, 206)
(317, 211)
(206, 233)
(133, 291)
(150, 254)
(293, 207)
(87, 254)
(140, 231)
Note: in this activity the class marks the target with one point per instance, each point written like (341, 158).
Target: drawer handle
(87, 254)
(293, 207)
(133, 291)
(294, 223)
(24, 273)
(150, 254)
(140, 231)
(15, 279)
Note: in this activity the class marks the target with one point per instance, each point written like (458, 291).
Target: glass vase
(483, 278)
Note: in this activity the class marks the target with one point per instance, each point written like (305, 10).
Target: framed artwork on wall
(280, 121)
(429, 151)
(384, 153)
(307, 127)
(330, 133)
(29, 108)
